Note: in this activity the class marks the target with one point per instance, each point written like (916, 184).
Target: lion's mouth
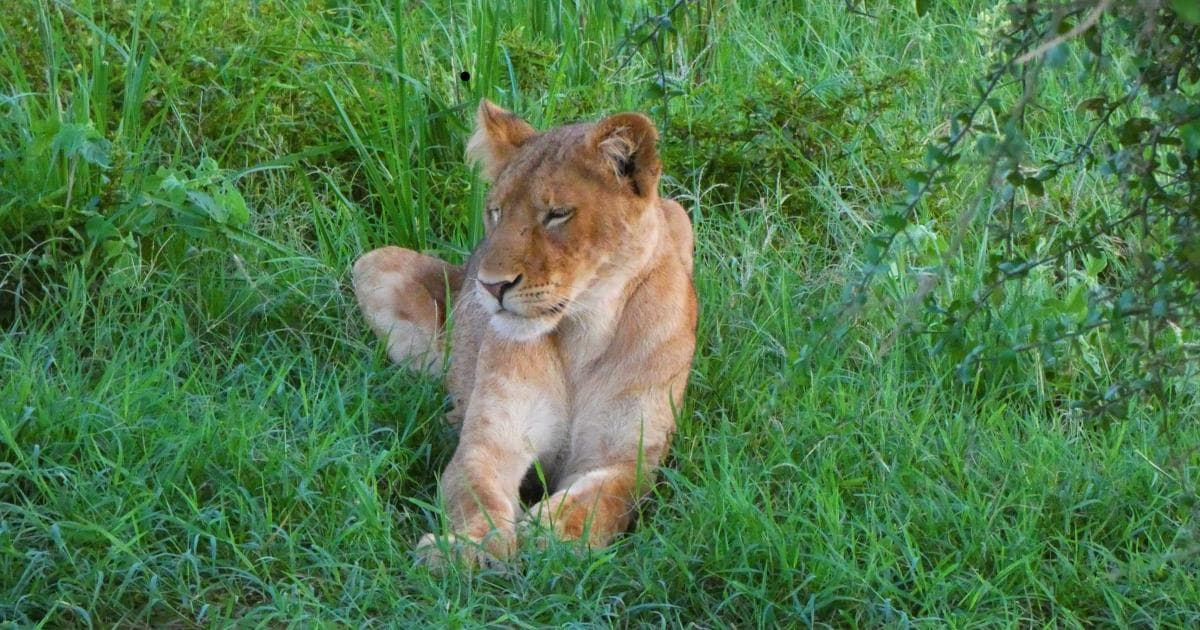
(528, 309)
(533, 311)
(556, 308)
(520, 327)
(524, 317)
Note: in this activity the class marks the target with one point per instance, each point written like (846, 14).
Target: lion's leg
(615, 449)
(403, 295)
(594, 506)
(480, 489)
(517, 414)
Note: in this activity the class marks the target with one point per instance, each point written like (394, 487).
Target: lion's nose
(497, 289)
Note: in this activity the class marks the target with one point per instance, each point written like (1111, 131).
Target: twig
(658, 20)
(1088, 22)
(850, 8)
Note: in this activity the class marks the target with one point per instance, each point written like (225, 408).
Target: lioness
(572, 331)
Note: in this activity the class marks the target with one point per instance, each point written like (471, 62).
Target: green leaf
(1076, 303)
(1191, 139)
(234, 204)
(44, 132)
(69, 138)
(1188, 10)
(1093, 40)
(174, 188)
(965, 370)
(1057, 56)
(1131, 131)
(80, 141)
(934, 155)
(1094, 265)
(1095, 104)
(207, 170)
(913, 186)
(96, 151)
(895, 221)
(1034, 186)
(99, 228)
(985, 143)
(872, 254)
(208, 206)
(1124, 304)
(923, 7)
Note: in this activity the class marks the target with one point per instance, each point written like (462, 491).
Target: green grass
(196, 426)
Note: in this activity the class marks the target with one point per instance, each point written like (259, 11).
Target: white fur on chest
(587, 407)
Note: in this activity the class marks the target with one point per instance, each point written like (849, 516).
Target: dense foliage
(1125, 316)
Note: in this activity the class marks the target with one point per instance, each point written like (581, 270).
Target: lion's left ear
(498, 135)
(628, 144)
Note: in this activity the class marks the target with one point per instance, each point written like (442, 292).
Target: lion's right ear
(627, 144)
(498, 135)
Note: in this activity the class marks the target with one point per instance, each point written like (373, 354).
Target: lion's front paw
(551, 517)
(436, 553)
(439, 552)
(589, 518)
(535, 532)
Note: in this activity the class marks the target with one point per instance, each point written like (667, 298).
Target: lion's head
(568, 210)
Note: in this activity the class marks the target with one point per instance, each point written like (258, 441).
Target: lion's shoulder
(679, 230)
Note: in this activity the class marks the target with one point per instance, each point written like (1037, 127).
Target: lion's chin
(517, 328)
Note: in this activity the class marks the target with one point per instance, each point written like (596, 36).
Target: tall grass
(196, 427)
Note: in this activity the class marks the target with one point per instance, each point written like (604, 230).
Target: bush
(1101, 298)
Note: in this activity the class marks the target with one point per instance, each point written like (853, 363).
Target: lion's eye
(494, 215)
(558, 216)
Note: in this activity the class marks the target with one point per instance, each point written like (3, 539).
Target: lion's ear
(628, 144)
(498, 135)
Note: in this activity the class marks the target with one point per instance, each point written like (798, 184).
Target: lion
(572, 328)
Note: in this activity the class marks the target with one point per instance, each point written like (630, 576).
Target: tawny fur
(581, 364)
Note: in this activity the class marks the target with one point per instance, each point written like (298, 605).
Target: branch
(1088, 22)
